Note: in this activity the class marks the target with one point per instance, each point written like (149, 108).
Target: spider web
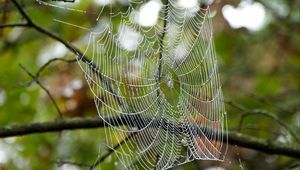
(157, 87)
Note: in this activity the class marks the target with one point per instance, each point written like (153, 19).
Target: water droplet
(184, 142)
(135, 128)
(170, 81)
(116, 163)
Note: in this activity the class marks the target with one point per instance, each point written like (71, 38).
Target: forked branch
(249, 112)
(35, 78)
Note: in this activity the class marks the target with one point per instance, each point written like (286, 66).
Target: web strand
(160, 81)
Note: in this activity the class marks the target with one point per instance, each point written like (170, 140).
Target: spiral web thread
(161, 98)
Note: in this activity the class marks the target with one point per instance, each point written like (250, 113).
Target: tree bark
(234, 138)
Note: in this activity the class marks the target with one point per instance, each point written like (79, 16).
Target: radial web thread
(157, 87)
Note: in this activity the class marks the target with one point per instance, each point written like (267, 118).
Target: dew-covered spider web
(155, 83)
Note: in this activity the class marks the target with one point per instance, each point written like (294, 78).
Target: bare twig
(110, 151)
(99, 159)
(249, 112)
(266, 101)
(50, 62)
(43, 67)
(44, 88)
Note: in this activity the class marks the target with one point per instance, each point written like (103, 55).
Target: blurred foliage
(258, 69)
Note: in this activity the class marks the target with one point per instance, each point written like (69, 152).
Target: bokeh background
(258, 47)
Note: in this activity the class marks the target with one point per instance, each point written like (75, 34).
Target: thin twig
(249, 112)
(44, 88)
(51, 61)
(43, 67)
(110, 151)
(266, 101)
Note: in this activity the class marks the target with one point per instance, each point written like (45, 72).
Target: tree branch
(234, 138)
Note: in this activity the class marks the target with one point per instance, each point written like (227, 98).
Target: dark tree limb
(234, 138)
